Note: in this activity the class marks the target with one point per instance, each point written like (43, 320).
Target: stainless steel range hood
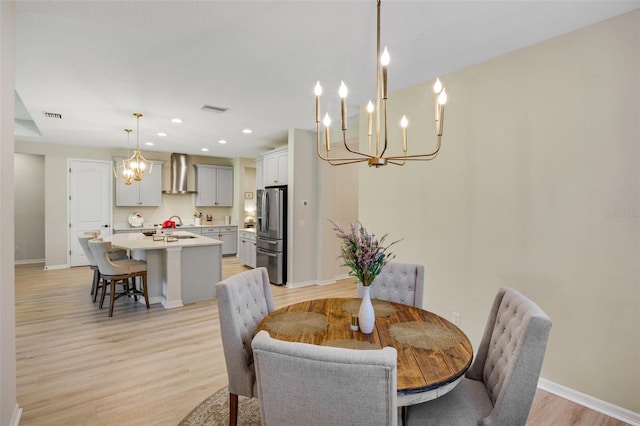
(179, 171)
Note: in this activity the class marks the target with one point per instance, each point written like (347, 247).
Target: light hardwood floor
(77, 366)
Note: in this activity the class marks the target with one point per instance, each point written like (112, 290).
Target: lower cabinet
(227, 234)
(247, 248)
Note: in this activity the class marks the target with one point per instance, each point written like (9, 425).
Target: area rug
(214, 411)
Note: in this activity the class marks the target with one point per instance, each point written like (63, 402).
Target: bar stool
(114, 255)
(123, 270)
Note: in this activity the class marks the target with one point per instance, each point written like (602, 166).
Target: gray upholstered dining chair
(121, 271)
(304, 384)
(499, 387)
(400, 283)
(243, 301)
(114, 255)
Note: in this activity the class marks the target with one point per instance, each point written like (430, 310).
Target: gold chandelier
(377, 158)
(122, 170)
(137, 164)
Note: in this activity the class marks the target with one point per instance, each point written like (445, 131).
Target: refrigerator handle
(265, 212)
(261, 212)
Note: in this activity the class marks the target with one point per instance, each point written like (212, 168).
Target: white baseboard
(588, 401)
(17, 414)
(51, 267)
(317, 282)
(169, 305)
(28, 261)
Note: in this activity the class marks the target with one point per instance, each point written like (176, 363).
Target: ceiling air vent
(212, 108)
(52, 115)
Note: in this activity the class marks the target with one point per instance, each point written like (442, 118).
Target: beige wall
(302, 243)
(536, 188)
(29, 208)
(8, 404)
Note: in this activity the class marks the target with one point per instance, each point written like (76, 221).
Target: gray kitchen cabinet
(228, 234)
(247, 248)
(214, 185)
(147, 192)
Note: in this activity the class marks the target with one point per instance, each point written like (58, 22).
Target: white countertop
(139, 241)
(252, 230)
(126, 227)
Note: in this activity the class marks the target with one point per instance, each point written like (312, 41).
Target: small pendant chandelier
(137, 164)
(377, 157)
(122, 171)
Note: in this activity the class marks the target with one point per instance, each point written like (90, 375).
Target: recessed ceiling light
(149, 143)
(247, 131)
(204, 149)
(176, 120)
(222, 141)
(162, 134)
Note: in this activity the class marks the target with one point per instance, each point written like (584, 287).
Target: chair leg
(233, 409)
(94, 283)
(113, 297)
(104, 292)
(144, 289)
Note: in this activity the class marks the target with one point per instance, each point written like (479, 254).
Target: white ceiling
(98, 62)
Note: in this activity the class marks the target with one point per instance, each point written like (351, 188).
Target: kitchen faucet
(179, 220)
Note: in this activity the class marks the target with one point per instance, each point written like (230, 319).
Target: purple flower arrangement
(362, 252)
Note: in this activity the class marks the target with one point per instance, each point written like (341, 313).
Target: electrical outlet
(16, 249)
(456, 318)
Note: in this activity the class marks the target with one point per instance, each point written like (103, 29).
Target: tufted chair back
(400, 283)
(510, 356)
(243, 301)
(305, 384)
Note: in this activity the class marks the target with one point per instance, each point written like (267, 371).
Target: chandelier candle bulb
(384, 61)
(342, 92)
(327, 138)
(318, 92)
(437, 88)
(370, 118)
(404, 123)
(442, 100)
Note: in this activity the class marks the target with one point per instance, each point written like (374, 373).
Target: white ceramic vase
(366, 316)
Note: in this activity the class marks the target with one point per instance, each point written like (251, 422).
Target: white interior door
(89, 203)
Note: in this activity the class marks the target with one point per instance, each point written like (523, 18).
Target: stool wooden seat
(123, 270)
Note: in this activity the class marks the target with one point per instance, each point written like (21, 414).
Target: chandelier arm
(389, 160)
(418, 156)
(336, 161)
(344, 141)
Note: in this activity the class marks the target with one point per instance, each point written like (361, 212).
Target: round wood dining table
(433, 353)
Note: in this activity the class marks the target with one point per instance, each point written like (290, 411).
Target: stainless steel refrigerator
(271, 241)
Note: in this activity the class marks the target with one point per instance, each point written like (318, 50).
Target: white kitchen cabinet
(276, 167)
(227, 234)
(214, 185)
(259, 173)
(247, 248)
(147, 192)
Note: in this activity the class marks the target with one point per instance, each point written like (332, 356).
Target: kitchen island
(178, 272)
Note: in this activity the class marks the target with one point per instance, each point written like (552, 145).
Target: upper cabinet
(147, 192)
(259, 173)
(275, 167)
(214, 185)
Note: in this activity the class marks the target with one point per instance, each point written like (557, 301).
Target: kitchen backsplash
(172, 205)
